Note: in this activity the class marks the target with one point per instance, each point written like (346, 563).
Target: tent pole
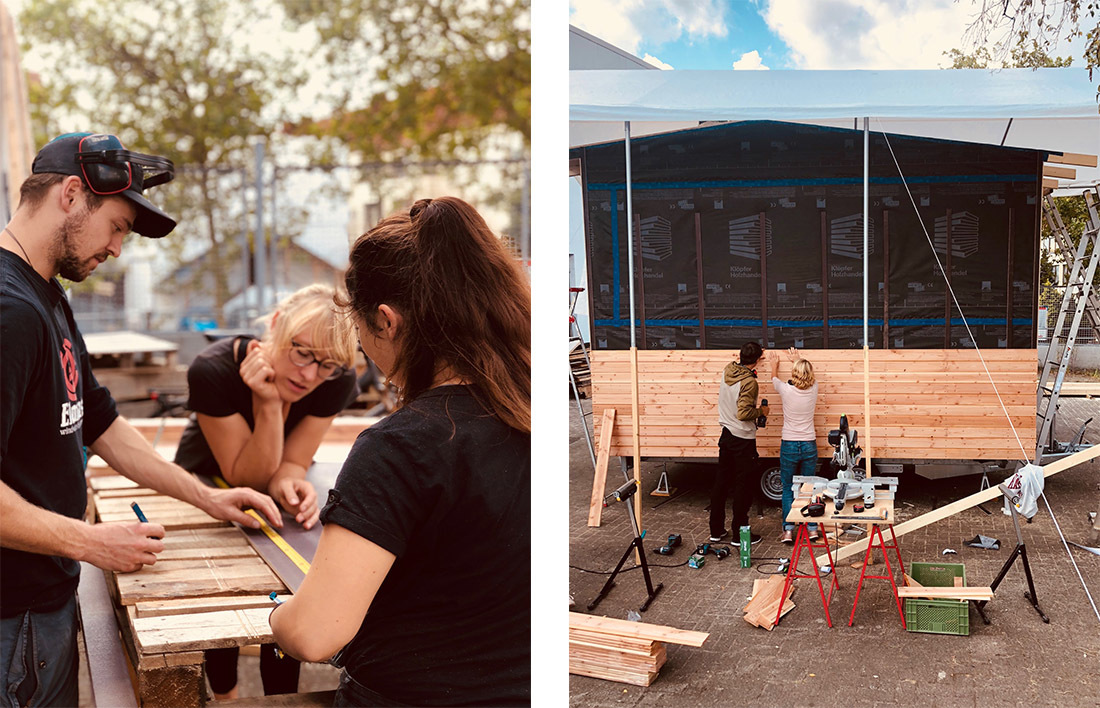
(634, 429)
(866, 296)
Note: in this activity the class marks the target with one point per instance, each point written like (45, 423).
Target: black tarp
(765, 220)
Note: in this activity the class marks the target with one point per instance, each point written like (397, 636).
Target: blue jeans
(796, 457)
(38, 661)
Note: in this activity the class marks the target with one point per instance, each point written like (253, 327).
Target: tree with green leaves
(174, 79)
(421, 79)
(1006, 25)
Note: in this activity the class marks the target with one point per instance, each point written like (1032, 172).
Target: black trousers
(737, 467)
(278, 675)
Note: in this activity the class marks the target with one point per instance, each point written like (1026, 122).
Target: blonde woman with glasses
(261, 407)
(798, 448)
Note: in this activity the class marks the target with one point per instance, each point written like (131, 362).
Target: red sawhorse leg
(802, 540)
(877, 532)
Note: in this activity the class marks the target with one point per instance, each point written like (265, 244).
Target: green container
(937, 616)
(746, 544)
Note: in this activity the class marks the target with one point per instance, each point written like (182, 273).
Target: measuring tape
(278, 540)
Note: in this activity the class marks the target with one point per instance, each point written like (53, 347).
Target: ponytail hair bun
(465, 303)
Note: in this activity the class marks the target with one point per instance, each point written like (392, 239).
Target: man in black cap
(84, 196)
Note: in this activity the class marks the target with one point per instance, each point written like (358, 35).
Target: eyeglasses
(301, 356)
(110, 169)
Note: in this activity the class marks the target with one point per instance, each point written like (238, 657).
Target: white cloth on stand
(1024, 488)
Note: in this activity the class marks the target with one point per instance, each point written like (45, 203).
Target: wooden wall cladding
(925, 404)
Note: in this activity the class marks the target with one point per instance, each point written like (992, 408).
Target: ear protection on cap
(108, 168)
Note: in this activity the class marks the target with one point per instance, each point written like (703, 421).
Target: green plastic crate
(937, 616)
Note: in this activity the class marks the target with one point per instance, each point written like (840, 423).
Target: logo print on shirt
(68, 367)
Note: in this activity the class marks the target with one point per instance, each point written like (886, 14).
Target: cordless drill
(762, 420)
(674, 540)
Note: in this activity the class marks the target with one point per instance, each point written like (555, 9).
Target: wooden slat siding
(925, 404)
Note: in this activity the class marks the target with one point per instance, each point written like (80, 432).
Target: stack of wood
(617, 650)
(581, 373)
(764, 605)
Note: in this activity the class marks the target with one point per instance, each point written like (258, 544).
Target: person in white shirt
(798, 448)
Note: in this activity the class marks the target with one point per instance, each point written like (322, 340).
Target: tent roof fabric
(628, 95)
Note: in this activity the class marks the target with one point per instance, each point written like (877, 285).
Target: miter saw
(850, 481)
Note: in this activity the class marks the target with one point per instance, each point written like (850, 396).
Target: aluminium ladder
(1077, 296)
(574, 327)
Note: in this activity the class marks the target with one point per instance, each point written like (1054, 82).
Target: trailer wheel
(771, 483)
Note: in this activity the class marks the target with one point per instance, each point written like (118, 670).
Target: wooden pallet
(925, 404)
(617, 650)
(208, 589)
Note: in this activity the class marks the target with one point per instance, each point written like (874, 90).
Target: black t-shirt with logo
(215, 388)
(446, 488)
(51, 407)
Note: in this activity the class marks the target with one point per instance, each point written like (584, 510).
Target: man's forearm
(131, 455)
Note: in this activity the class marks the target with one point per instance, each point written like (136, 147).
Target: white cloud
(626, 23)
(750, 60)
(649, 58)
(869, 34)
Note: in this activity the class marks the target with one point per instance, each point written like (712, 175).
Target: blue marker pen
(137, 510)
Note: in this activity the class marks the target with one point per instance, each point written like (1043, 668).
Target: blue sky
(783, 34)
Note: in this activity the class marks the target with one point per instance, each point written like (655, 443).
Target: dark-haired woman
(429, 524)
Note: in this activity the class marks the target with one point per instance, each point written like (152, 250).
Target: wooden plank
(1059, 172)
(222, 537)
(1050, 183)
(599, 482)
(195, 605)
(112, 481)
(206, 630)
(963, 504)
(638, 629)
(947, 593)
(1073, 158)
(169, 579)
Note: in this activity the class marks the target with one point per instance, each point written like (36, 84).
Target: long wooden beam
(639, 630)
(599, 482)
(963, 504)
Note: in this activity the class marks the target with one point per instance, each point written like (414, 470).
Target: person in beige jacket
(737, 458)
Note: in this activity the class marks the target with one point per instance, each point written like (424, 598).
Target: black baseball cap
(107, 168)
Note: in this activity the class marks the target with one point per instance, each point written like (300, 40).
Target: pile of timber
(617, 650)
(764, 605)
(581, 373)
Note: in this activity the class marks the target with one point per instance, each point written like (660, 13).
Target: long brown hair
(464, 303)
